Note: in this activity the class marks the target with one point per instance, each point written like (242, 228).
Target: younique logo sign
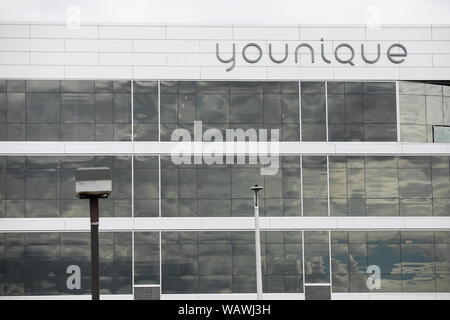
(344, 53)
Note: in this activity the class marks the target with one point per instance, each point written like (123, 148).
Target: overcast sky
(231, 11)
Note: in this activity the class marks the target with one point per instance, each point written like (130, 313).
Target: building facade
(358, 203)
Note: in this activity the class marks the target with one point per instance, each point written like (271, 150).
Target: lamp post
(92, 184)
(256, 189)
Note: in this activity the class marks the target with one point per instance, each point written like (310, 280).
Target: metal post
(259, 290)
(93, 202)
(258, 254)
(93, 183)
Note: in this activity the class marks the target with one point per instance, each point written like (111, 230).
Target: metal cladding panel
(147, 293)
(317, 292)
(36, 50)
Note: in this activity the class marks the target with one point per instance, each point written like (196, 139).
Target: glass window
(317, 259)
(145, 108)
(42, 184)
(386, 256)
(313, 111)
(15, 107)
(441, 134)
(213, 108)
(77, 132)
(77, 86)
(68, 110)
(36, 264)
(213, 183)
(122, 108)
(361, 115)
(104, 103)
(313, 108)
(43, 86)
(246, 108)
(43, 107)
(146, 258)
(77, 108)
(415, 183)
(381, 183)
(339, 259)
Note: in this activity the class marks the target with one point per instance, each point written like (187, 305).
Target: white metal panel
(305, 73)
(225, 223)
(411, 60)
(95, 45)
(64, 58)
(166, 72)
(98, 72)
(235, 224)
(77, 224)
(369, 148)
(232, 296)
(370, 72)
(332, 33)
(242, 73)
(441, 60)
(178, 46)
(226, 46)
(356, 223)
(131, 32)
(389, 296)
(31, 224)
(209, 296)
(441, 33)
(125, 224)
(12, 58)
(14, 30)
(32, 147)
(193, 59)
(132, 59)
(31, 72)
(432, 73)
(49, 40)
(302, 223)
(399, 33)
(440, 46)
(423, 148)
(46, 44)
(266, 33)
(199, 32)
(63, 31)
(370, 46)
(70, 297)
(14, 44)
(167, 223)
(117, 147)
(166, 148)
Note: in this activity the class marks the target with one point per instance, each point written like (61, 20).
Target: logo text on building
(343, 53)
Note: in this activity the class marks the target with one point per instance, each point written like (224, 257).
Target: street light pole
(257, 188)
(92, 184)
(95, 282)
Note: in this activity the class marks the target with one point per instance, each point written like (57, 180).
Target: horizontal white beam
(70, 297)
(301, 296)
(390, 296)
(232, 296)
(65, 148)
(250, 296)
(225, 224)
